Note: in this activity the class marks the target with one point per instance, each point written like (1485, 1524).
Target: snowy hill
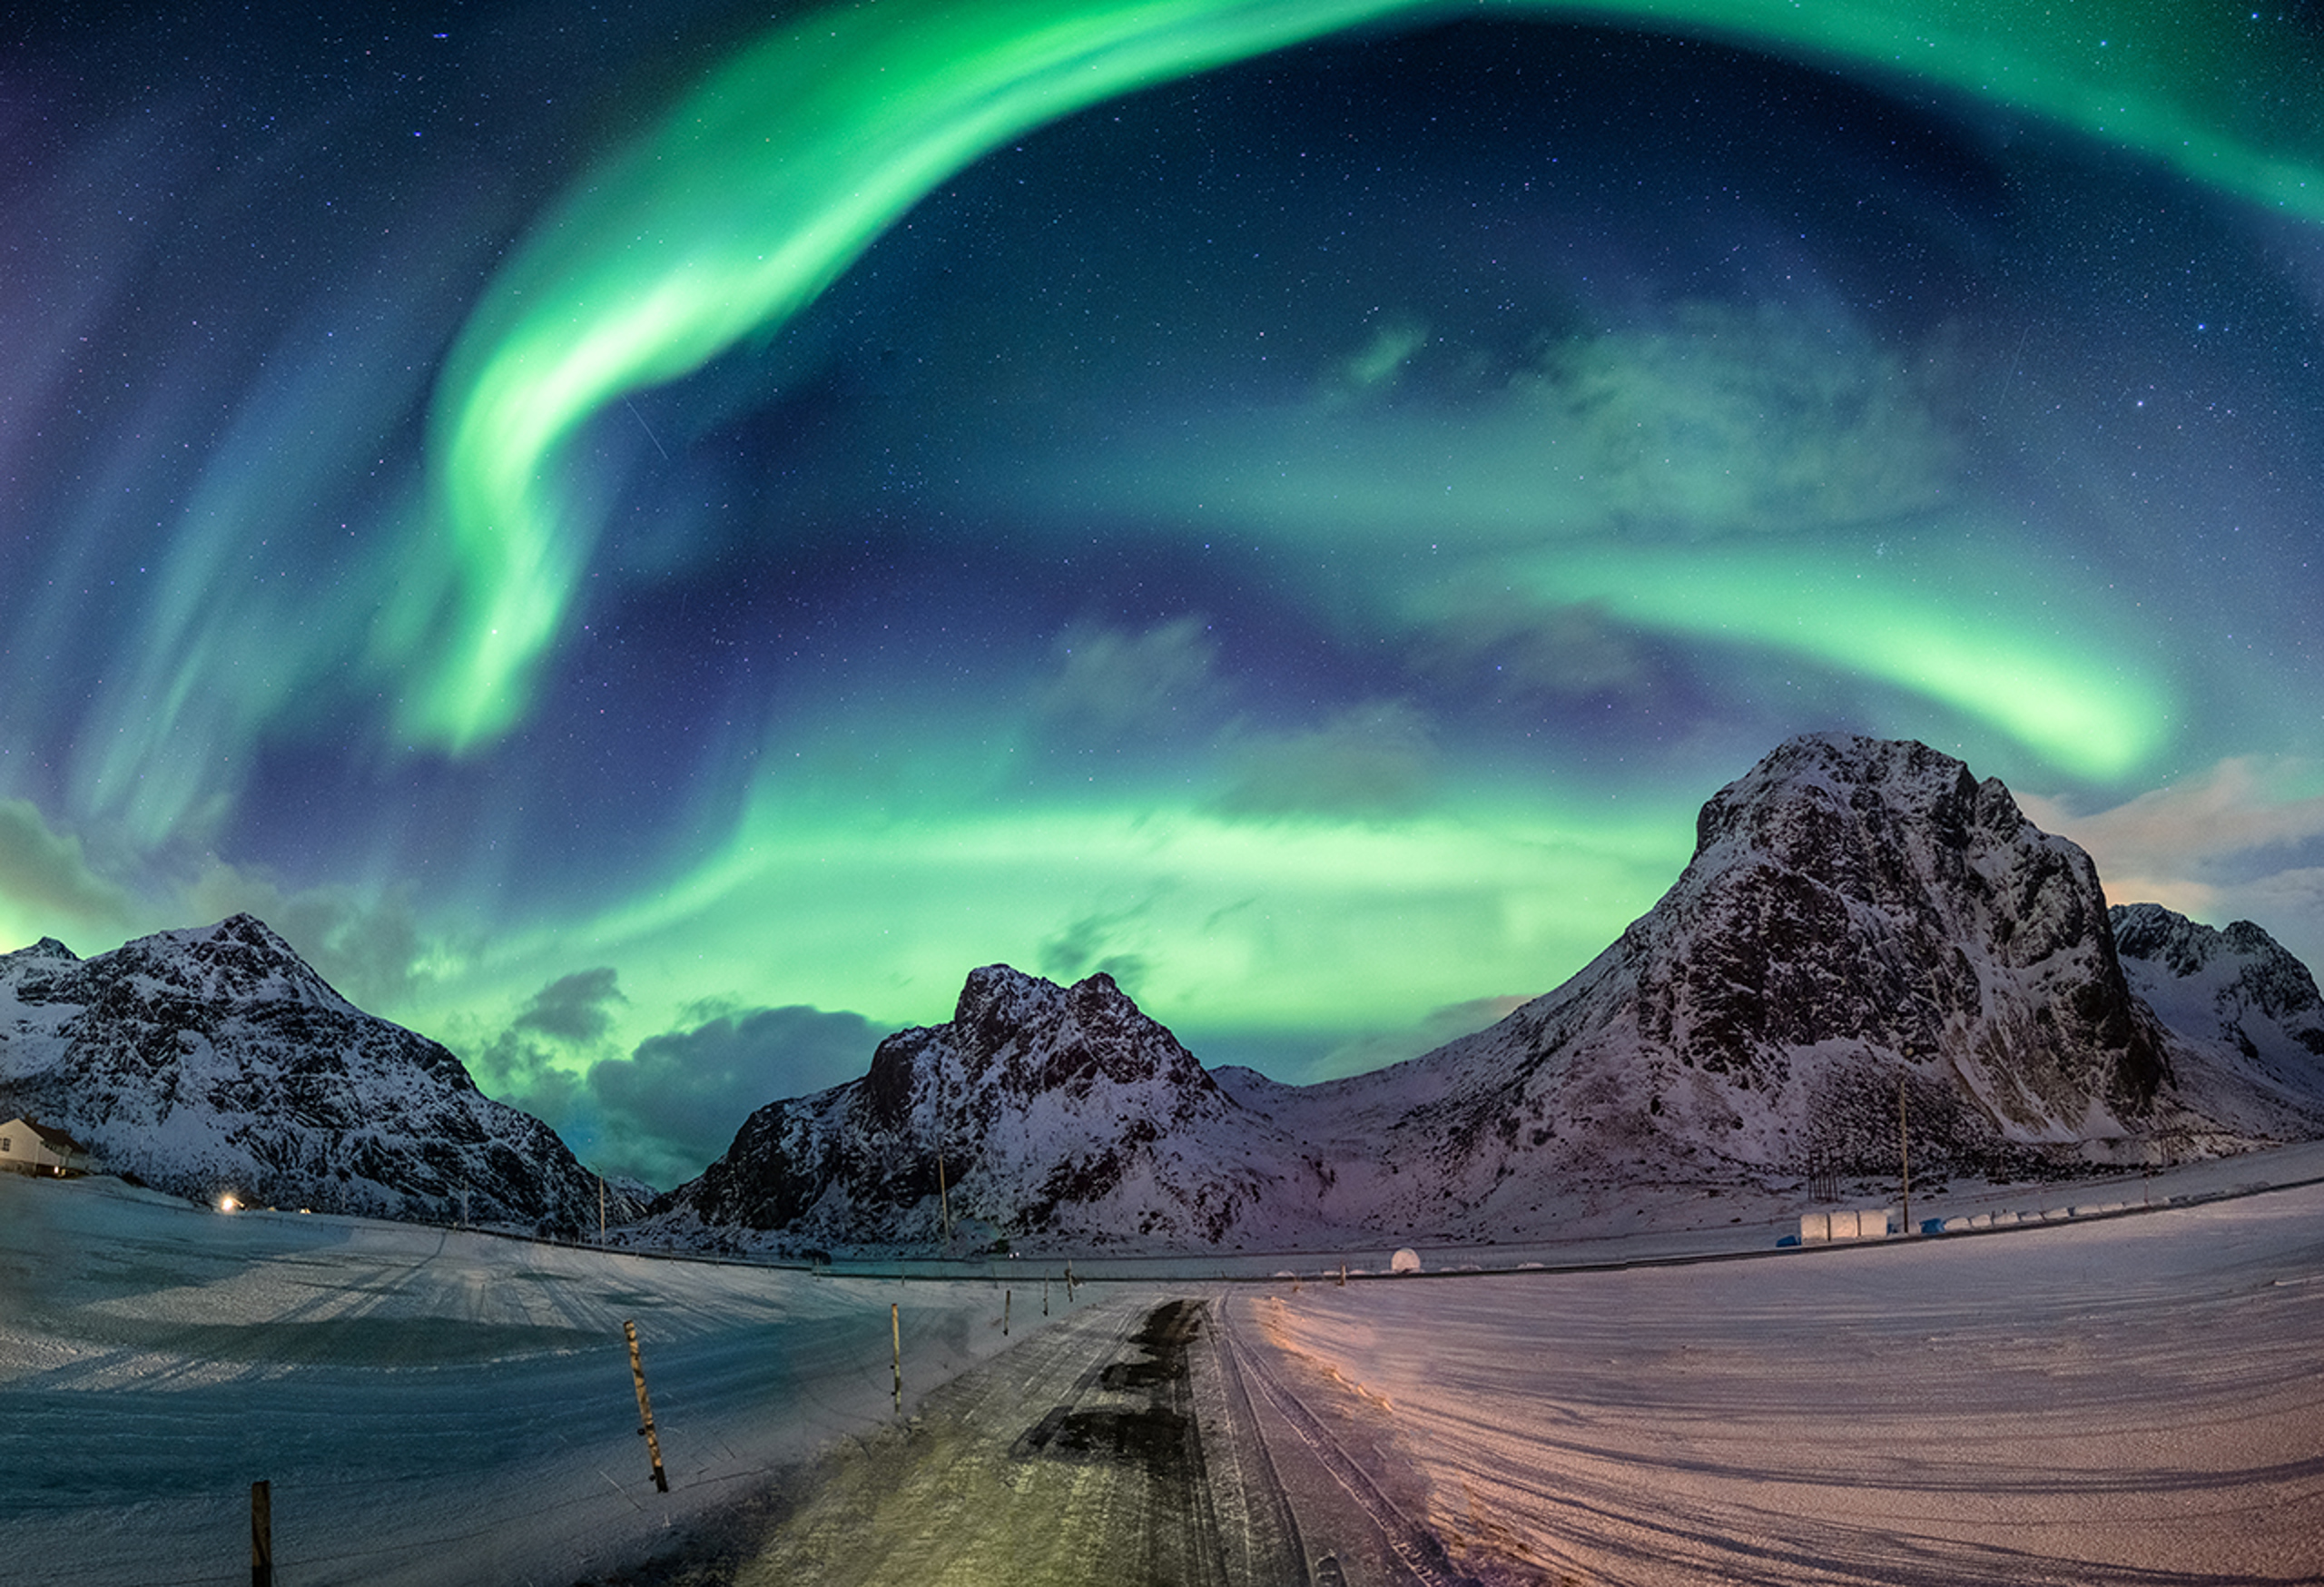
(1859, 917)
(1062, 1110)
(2245, 1004)
(215, 1059)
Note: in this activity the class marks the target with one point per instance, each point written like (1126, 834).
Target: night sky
(648, 539)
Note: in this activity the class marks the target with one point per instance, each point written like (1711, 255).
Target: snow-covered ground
(2132, 1399)
(427, 1405)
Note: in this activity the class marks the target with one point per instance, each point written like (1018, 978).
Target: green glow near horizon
(1299, 926)
(763, 186)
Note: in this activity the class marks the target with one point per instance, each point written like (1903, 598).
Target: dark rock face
(215, 1059)
(1853, 890)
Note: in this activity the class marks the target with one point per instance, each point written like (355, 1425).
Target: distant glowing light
(763, 186)
(229, 1203)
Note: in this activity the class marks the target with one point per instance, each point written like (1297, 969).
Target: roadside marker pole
(1045, 1298)
(644, 1408)
(896, 1336)
(1006, 1296)
(261, 1535)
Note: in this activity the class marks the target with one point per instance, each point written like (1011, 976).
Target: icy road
(2134, 1399)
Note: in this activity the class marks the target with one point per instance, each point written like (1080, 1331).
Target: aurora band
(761, 187)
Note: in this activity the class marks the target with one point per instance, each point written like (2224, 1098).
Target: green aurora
(620, 543)
(836, 125)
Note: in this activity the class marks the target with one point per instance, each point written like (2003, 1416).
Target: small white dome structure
(1404, 1261)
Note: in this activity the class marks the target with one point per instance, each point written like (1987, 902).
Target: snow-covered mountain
(2245, 1004)
(1860, 917)
(1062, 1110)
(216, 1060)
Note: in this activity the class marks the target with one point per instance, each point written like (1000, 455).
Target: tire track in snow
(1414, 1547)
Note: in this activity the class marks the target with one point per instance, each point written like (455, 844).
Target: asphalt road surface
(1141, 1440)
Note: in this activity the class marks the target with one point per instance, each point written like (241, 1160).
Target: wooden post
(644, 1408)
(896, 1335)
(1903, 1155)
(1343, 1275)
(261, 1535)
(1006, 1296)
(1045, 1298)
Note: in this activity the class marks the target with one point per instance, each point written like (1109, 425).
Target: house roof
(55, 1140)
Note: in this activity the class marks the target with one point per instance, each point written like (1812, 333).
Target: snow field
(428, 1405)
(2127, 1399)
(2123, 1401)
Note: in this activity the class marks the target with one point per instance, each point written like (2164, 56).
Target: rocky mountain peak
(1863, 922)
(1037, 1107)
(240, 960)
(216, 1058)
(1030, 1035)
(2240, 992)
(2260, 969)
(1819, 802)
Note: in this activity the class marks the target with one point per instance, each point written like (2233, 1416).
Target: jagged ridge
(1860, 917)
(217, 1059)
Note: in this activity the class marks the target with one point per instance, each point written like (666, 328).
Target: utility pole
(1904, 1154)
(943, 1196)
(943, 1128)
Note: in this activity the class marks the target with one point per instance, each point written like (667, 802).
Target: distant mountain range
(1859, 916)
(217, 1061)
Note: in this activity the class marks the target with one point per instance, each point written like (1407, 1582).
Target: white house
(27, 1148)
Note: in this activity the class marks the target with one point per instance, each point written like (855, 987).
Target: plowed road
(1135, 1441)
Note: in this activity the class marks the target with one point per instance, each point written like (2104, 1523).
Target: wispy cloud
(2235, 841)
(44, 874)
(1370, 762)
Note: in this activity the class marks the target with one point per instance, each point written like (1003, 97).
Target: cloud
(1111, 685)
(1761, 420)
(673, 1105)
(1513, 648)
(531, 1063)
(1697, 421)
(1371, 763)
(2242, 805)
(2236, 842)
(577, 1008)
(1081, 949)
(44, 874)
